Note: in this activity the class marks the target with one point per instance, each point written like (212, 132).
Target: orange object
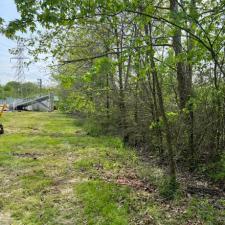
(2, 109)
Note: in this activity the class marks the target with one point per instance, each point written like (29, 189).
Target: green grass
(53, 172)
(35, 182)
(104, 203)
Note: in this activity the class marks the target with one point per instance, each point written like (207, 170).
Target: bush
(93, 128)
(169, 188)
(216, 170)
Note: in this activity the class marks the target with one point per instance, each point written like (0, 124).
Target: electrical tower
(40, 85)
(20, 65)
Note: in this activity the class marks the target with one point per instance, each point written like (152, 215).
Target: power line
(20, 64)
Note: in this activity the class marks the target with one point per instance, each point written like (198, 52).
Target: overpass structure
(38, 103)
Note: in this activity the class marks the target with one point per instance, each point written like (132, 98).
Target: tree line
(150, 71)
(14, 89)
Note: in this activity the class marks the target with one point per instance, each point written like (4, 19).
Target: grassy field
(52, 172)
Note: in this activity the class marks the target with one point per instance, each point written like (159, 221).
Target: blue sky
(7, 72)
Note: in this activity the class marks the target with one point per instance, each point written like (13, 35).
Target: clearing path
(52, 172)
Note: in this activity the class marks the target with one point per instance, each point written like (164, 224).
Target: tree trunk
(152, 87)
(172, 170)
(107, 97)
(122, 106)
(177, 46)
(190, 120)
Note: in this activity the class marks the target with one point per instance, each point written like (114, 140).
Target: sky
(7, 72)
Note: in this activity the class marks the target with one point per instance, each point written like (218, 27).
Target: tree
(154, 70)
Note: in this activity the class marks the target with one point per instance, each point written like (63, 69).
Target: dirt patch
(5, 218)
(27, 155)
(131, 180)
(67, 181)
(135, 183)
(65, 186)
(80, 133)
(32, 128)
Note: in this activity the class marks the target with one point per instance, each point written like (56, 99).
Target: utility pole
(20, 65)
(40, 85)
